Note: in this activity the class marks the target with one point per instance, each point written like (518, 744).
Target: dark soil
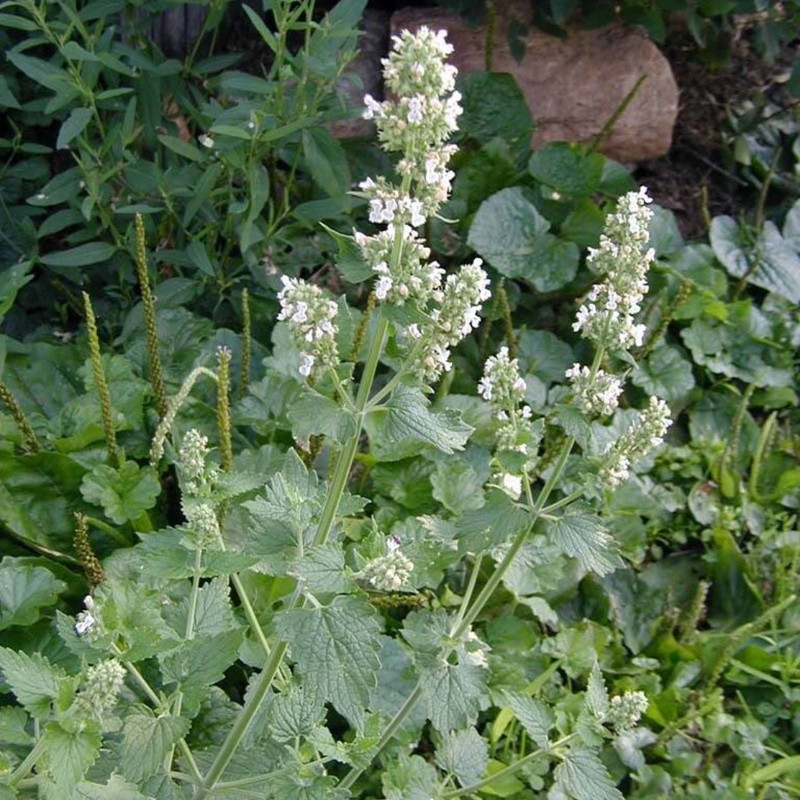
(695, 179)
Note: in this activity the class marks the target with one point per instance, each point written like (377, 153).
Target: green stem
(335, 490)
(156, 701)
(509, 770)
(28, 764)
(121, 540)
(477, 606)
(473, 580)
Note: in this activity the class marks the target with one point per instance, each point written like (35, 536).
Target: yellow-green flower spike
(151, 335)
(101, 383)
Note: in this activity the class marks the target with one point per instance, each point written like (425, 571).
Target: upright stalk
(273, 663)
(462, 626)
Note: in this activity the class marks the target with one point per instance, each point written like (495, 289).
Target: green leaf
(68, 755)
(569, 168)
(464, 754)
(452, 692)
(322, 570)
(495, 523)
(583, 776)
(457, 487)
(581, 535)
(336, 649)
(597, 702)
(81, 256)
(181, 148)
(73, 126)
(214, 612)
(534, 716)
(294, 713)
(202, 661)
(13, 721)
(7, 99)
(410, 778)
(494, 107)
(37, 496)
(117, 788)
(666, 374)
(791, 225)
(24, 591)
(326, 161)
(739, 347)
(124, 493)
(40, 71)
(405, 418)
(513, 237)
(34, 681)
(146, 741)
(313, 413)
(350, 260)
(765, 260)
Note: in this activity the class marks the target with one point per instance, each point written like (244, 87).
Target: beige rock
(573, 86)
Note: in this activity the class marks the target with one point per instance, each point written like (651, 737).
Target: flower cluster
(646, 433)
(501, 384)
(627, 709)
(411, 277)
(86, 623)
(389, 572)
(101, 690)
(457, 316)
(311, 318)
(201, 478)
(427, 108)
(607, 315)
(595, 394)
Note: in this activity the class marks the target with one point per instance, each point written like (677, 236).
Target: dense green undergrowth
(238, 562)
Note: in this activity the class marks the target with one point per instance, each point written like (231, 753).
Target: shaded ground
(697, 170)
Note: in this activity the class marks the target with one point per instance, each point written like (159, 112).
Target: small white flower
(307, 364)
(85, 621)
(383, 286)
(206, 140)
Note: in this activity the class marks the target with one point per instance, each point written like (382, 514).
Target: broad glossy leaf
(666, 374)
(24, 590)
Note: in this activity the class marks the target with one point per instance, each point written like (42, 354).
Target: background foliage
(701, 614)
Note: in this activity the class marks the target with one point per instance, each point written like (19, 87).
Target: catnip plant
(283, 578)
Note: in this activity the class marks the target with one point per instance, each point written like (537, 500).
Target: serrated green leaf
(34, 681)
(313, 413)
(124, 493)
(410, 778)
(457, 487)
(306, 785)
(583, 776)
(534, 716)
(406, 418)
(117, 788)
(323, 571)
(336, 648)
(349, 260)
(294, 713)
(202, 661)
(596, 698)
(495, 523)
(147, 740)
(68, 755)
(580, 534)
(464, 754)
(452, 692)
(214, 612)
(13, 721)
(24, 590)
